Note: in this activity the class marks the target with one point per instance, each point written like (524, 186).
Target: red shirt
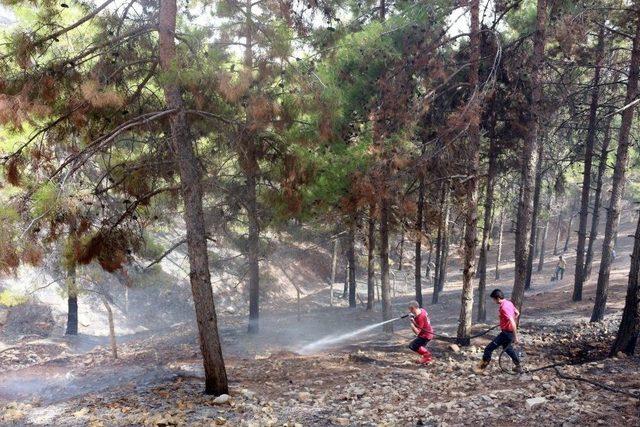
(507, 313)
(422, 322)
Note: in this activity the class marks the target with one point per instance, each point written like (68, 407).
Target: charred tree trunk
(401, 252)
(627, 337)
(471, 187)
(619, 171)
(418, 255)
(439, 247)
(568, 236)
(484, 245)
(351, 258)
(371, 240)
(384, 263)
(534, 218)
(446, 232)
(72, 302)
(543, 241)
(190, 177)
(557, 239)
(529, 160)
(586, 174)
(595, 216)
(499, 252)
(334, 266)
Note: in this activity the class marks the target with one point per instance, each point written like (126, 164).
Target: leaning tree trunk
(371, 240)
(499, 252)
(488, 213)
(586, 174)
(595, 216)
(568, 236)
(190, 179)
(471, 185)
(351, 258)
(627, 336)
(418, 237)
(384, 263)
(72, 301)
(537, 192)
(529, 160)
(619, 171)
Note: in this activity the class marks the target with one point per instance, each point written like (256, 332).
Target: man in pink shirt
(509, 331)
(420, 326)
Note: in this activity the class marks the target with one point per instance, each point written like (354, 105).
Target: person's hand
(515, 339)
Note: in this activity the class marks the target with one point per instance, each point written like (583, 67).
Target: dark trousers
(417, 343)
(559, 273)
(504, 340)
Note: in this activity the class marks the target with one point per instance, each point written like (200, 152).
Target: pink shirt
(422, 322)
(507, 313)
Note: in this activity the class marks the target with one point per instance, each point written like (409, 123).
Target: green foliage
(46, 200)
(9, 298)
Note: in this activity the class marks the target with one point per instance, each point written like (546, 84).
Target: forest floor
(368, 380)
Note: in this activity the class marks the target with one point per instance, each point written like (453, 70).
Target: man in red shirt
(420, 326)
(509, 331)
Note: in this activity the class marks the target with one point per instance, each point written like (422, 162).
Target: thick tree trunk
(471, 187)
(72, 302)
(499, 252)
(595, 216)
(627, 337)
(580, 276)
(534, 218)
(190, 178)
(617, 185)
(529, 160)
(351, 258)
(334, 266)
(418, 254)
(384, 263)
(484, 245)
(371, 240)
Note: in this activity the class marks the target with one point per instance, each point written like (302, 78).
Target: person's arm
(414, 328)
(514, 326)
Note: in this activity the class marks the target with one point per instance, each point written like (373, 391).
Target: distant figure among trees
(560, 267)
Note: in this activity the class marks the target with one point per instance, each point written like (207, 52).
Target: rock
(304, 396)
(359, 392)
(341, 421)
(230, 309)
(220, 421)
(455, 348)
(248, 394)
(222, 399)
(4, 315)
(535, 402)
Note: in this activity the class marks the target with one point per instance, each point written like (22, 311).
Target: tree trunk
(446, 233)
(384, 263)
(439, 247)
(529, 160)
(619, 171)
(627, 336)
(371, 240)
(190, 178)
(334, 266)
(484, 245)
(418, 256)
(595, 216)
(471, 187)
(351, 258)
(543, 241)
(499, 254)
(72, 302)
(534, 218)
(557, 239)
(401, 252)
(112, 328)
(586, 174)
(568, 236)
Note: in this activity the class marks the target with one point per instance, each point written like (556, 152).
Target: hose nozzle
(405, 316)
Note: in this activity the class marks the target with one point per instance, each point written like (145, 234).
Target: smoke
(330, 340)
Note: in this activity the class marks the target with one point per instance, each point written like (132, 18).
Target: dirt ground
(369, 380)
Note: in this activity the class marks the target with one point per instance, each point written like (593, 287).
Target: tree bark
(112, 328)
(543, 241)
(557, 239)
(471, 186)
(371, 240)
(190, 178)
(384, 263)
(595, 216)
(72, 302)
(580, 276)
(351, 258)
(488, 214)
(418, 255)
(499, 253)
(534, 218)
(529, 160)
(568, 236)
(627, 336)
(619, 172)
(439, 247)
(334, 266)
(447, 230)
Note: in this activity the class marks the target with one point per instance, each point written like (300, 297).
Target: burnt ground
(369, 380)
